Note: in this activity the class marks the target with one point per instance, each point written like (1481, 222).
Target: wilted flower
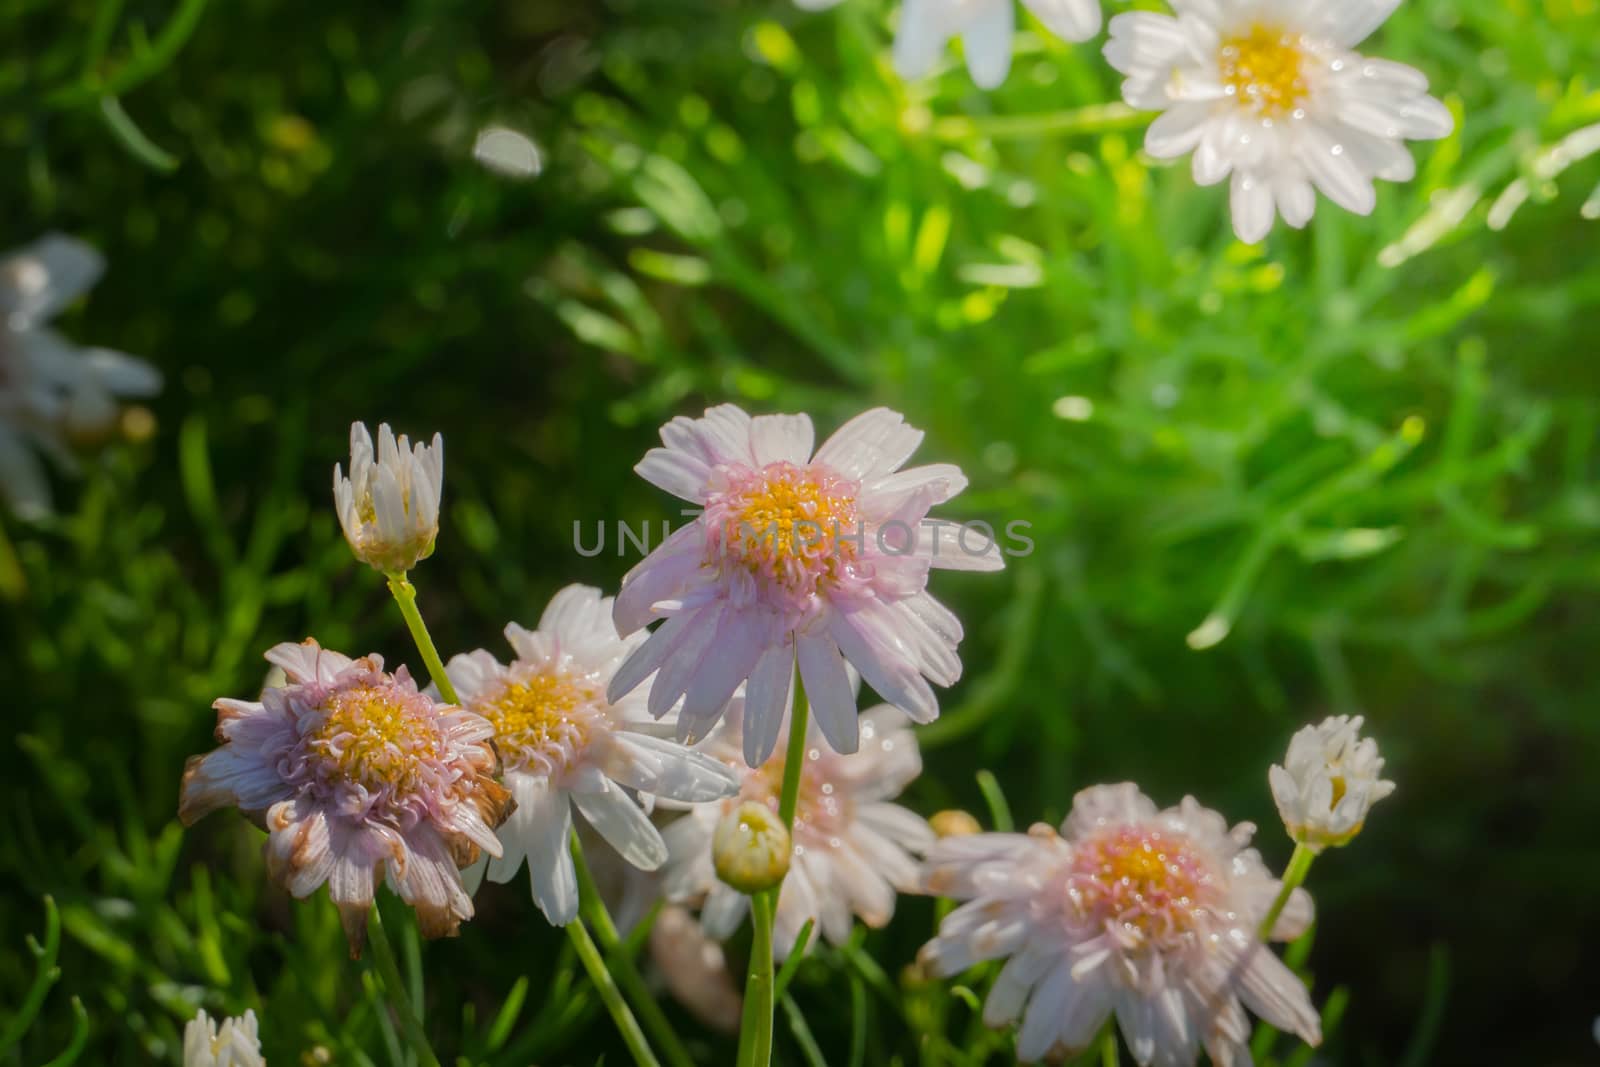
(985, 28)
(563, 744)
(358, 778)
(1328, 783)
(389, 506)
(796, 557)
(53, 394)
(233, 1044)
(750, 848)
(1149, 914)
(1271, 92)
(852, 848)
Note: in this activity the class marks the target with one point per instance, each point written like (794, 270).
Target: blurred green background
(1365, 453)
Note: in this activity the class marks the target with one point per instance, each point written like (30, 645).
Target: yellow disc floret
(1264, 69)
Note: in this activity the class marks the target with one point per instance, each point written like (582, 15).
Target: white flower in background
(53, 394)
(985, 28)
(1271, 93)
(815, 558)
(563, 744)
(1147, 914)
(695, 969)
(389, 506)
(1329, 781)
(232, 1044)
(853, 849)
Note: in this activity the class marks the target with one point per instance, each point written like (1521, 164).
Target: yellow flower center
(547, 714)
(1264, 69)
(1151, 882)
(375, 737)
(1339, 790)
(787, 522)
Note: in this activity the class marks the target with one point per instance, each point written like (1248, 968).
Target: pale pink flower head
(359, 779)
(853, 848)
(565, 746)
(797, 556)
(1150, 915)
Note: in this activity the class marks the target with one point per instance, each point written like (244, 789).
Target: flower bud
(1328, 783)
(389, 506)
(954, 823)
(750, 848)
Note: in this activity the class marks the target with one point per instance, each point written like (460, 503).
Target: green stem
(394, 987)
(405, 594)
(1293, 876)
(632, 1036)
(1108, 1046)
(755, 1032)
(622, 966)
(794, 759)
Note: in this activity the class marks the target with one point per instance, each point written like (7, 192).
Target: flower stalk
(1293, 876)
(405, 595)
(394, 988)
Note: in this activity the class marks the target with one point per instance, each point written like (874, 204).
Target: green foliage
(1350, 469)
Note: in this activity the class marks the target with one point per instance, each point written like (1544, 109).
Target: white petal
(766, 702)
(987, 41)
(1252, 206)
(1072, 20)
(829, 693)
(920, 39)
(781, 439)
(873, 444)
(626, 828)
(678, 473)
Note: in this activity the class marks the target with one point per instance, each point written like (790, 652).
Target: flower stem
(1108, 1046)
(755, 1030)
(794, 759)
(395, 988)
(1293, 876)
(632, 1036)
(622, 966)
(405, 594)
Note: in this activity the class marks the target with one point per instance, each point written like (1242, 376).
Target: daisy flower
(796, 556)
(564, 745)
(389, 506)
(853, 849)
(1147, 914)
(53, 394)
(985, 28)
(1272, 93)
(232, 1044)
(1328, 783)
(359, 779)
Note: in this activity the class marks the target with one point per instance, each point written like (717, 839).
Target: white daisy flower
(53, 394)
(389, 506)
(853, 849)
(1272, 93)
(563, 745)
(233, 1044)
(985, 28)
(1329, 781)
(801, 556)
(1147, 914)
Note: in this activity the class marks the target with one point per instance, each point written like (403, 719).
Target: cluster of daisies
(724, 751)
(1269, 95)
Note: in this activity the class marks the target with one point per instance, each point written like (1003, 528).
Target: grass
(1351, 469)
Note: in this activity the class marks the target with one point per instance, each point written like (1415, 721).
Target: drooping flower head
(1272, 93)
(564, 745)
(53, 394)
(359, 779)
(234, 1043)
(797, 556)
(389, 506)
(1147, 914)
(985, 28)
(1329, 781)
(852, 848)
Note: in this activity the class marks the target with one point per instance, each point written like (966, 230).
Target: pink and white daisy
(233, 1043)
(359, 779)
(1330, 779)
(797, 556)
(1150, 915)
(389, 505)
(1273, 93)
(564, 746)
(853, 848)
